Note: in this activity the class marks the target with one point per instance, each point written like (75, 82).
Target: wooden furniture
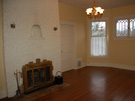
(37, 75)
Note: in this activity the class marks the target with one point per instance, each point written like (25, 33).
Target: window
(122, 28)
(98, 46)
(132, 27)
(125, 27)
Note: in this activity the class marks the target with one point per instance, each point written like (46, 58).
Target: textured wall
(19, 47)
(2, 71)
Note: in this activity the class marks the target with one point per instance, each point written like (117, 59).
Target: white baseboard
(127, 67)
(83, 65)
(3, 94)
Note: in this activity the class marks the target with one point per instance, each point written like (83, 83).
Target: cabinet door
(42, 75)
(48, 71)
(29, 78)
(36, 77)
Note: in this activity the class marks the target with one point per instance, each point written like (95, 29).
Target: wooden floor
(96, 84)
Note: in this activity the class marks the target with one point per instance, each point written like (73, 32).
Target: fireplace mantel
(37, 75)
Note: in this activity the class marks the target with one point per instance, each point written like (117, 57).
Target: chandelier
(95, 12)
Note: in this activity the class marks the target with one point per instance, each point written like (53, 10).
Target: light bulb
(89, 10)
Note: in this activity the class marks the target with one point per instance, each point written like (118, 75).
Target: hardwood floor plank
(96, 84)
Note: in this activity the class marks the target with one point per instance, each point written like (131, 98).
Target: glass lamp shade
(94, 12)
(89, 10)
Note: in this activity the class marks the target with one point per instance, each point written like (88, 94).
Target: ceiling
(106, 4)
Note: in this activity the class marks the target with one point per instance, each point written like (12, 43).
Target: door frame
(74, 52)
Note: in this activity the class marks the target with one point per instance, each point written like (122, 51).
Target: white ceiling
(106, 4)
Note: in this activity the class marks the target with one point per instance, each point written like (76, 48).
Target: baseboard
(127, 67)
(83, 65)
(3, 94)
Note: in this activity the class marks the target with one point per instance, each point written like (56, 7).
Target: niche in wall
(36, 31)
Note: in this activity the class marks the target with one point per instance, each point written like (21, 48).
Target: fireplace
(37, 75)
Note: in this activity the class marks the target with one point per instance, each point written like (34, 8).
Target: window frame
(128, 37)
(107, 37)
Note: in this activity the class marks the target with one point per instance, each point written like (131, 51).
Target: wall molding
(126, 67)
(83, 65)
(3, 94)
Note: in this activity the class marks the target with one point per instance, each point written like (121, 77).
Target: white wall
(19, 47)
(2, 69)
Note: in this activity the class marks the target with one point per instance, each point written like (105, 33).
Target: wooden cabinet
(37, 75)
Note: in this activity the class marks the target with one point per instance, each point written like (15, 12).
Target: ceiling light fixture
(95, 12)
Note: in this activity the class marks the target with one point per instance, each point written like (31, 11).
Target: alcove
(36, 31)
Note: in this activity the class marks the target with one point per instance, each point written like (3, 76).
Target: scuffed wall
(19, 46)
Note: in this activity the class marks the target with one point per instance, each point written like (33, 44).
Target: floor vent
(79, 64)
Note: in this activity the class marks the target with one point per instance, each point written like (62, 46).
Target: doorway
(68, 47)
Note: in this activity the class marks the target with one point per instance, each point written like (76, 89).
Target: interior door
(67, 47)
